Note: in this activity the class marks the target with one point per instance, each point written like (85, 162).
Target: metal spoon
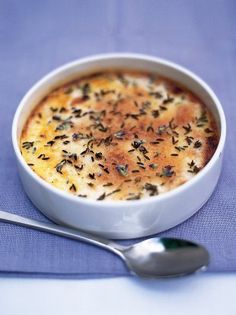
(153, 258)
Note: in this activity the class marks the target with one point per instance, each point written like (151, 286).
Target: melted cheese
(119, 136)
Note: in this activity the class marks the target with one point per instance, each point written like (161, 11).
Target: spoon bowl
(165, 257)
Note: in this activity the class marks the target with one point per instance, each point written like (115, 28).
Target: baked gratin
(119, 135)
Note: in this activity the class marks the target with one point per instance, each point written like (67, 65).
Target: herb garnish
(155, 94)
(27, 144)
(86, 89)
(79, 168)
(61, 137)
(174, 141)
(143, 149)
(57, 118)
(137, 143)
(168, 100)
(66, 124)
(153, 166)
(163, 108)
(161, 129)
(50, 143)
(122, 169)
(187, 128)
(80, 136)
(73, 187)
(113, 192)
(43, 157)
(202, 120)
(197, 144)
(60, 165)
(119, 134)
(155, 113)
(208, 130)
(167, 171)
(107, 185)
(134, 197)
(152, 189)
(150, 128)
(91, 175)
(102, 197)
(193, 167)
(189, 140)
(98, 155)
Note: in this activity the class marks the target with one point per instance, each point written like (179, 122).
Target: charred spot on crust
(212, 143)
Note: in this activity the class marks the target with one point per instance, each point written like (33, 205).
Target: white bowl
(120, 219)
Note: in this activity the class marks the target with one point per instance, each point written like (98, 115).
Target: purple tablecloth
(37, 36)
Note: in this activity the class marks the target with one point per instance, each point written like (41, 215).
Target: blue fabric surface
(37, 36)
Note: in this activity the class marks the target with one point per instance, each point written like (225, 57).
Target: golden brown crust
(119, 135)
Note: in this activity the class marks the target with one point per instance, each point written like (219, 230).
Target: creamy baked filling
(119, 135)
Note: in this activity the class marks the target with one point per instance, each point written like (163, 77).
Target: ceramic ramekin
(120, 219)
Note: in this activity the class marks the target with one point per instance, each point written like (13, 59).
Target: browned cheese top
(119, 135)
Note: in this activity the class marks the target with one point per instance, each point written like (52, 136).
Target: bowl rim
(119, 203)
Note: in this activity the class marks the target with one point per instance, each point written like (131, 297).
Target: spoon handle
(61, 231)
